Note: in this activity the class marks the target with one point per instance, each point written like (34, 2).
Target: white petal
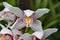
(6, 31)
(28, 12)
(41, 12)
(18, 24)
(38, 34)
(9, 16)
(18, 12)
(2, 26)
(37, 26)
(15, 32)
(25, 36)
(1, 19)
(1, 15)
(6, 4)
(49, 31)
(6, 9)
(2, 12)
(15, 10)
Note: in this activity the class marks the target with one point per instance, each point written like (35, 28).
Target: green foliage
(55, 36)
(51, 23)
(12, 2)
(0, 3)
(44, 3)
(3, 22)
(30, 31)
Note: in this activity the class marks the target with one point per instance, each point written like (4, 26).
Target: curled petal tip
(6, 4)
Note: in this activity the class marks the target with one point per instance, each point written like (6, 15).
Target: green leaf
(31, 4)
(54, 22)
(52, 9)
(3, 22)
(57, 5)
(55, 36)
(44, 3)
(30, 31)
(42, 18)
(1, 4)
(37, 4)
(53, 18)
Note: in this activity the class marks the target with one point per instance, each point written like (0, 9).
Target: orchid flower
(5, 33)
(44, 34)
(27, 18)
(38, 35)
(6, 15)
(25, 36)
(16, 33)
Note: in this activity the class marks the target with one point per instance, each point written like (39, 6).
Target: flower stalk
(26, 30)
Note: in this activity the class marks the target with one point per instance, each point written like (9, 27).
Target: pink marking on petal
(35, 38)
(24, 20)
(9, 36)
(42, 39)
(4, 13)
(17, 35)
(1, 35)
(15, 18)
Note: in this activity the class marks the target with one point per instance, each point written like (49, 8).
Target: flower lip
(37, 33)
(28, 21)
(28, 12)
(34, 38)
(9, 36)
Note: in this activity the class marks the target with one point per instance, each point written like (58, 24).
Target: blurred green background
(50, 20)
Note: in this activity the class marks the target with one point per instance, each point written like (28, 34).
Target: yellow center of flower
(28, 20)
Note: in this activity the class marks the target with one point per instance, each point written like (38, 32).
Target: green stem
(26, 29)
